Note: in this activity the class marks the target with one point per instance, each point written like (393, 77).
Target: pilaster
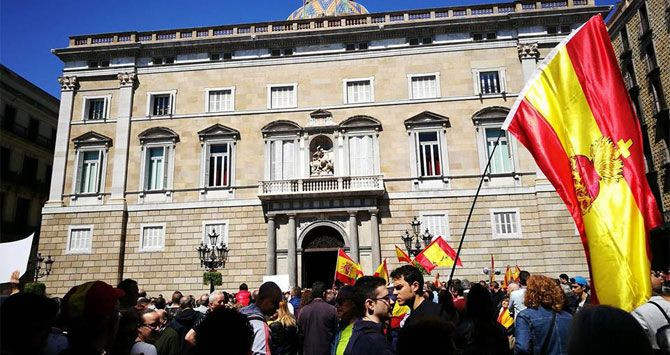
(292, 252)
(271, 248)
(374, 239)
(353, 236)
(122, 140)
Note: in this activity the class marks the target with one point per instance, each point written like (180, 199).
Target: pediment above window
(493, 114)
(158, 134)
(427, 119)
(281, 127)
(92, 139)
(361, 122)
(320, 118)
(219, 131)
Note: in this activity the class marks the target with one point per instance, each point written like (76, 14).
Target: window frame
(145, 249)
(206, 154)
(345, 89)
(209, 91)
(168, 172)
(86, 105)
(226, 233)
(444, 214)
(484, 144)
(410, 90)
(517, 214)
(101, 171)
(274, 86)
(150, 102)
(89, 249)
(502, 80)
(296, 155)
(374, 154)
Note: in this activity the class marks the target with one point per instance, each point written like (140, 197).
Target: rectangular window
(218, 227)
(80, 239)
(506, 224)
(153, 238)
(96, 109)
(625, 43)
(436, 223)
(429, 154)
(502, 158)
(89, 171)
(424, 86)
(218, 174)
(4, 160)
(10, 116)
(161, 105)
(282, 96)
(359, 91)
(361, 161)
(489, 82)
(156, 168)
(656, 95)
(29, 171)
(33, 128)
(644, 19)
(22, 212)
(282, 160)
(220, 100)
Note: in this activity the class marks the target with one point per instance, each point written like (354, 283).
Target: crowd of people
(406, 315)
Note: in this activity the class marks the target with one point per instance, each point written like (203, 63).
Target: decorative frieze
(68, 83)
(528, 51)
(126, 79)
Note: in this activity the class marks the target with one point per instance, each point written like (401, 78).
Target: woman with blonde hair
(543, 327)
(284, 332)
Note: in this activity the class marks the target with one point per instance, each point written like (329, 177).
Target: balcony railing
(322, 185)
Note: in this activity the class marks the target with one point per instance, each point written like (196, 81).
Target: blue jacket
(532, 327)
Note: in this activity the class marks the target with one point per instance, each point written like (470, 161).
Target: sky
(29, 29)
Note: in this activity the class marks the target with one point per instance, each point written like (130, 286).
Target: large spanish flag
(437, 253)
(347, 270)
(576, 118)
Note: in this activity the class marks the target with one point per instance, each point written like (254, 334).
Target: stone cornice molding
(528, 51)
(126, 79)
(68, 83)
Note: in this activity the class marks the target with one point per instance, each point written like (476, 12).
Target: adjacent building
(640, 32)
(331, 129)
(27, 136)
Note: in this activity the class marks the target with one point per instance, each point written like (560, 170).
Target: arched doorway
(319, 255)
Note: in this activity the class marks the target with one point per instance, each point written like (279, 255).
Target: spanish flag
(382, 271)
(511, 275)
(576, 119)
(437, 253)
(398, 314)
(347, 270)
(402, 256)
(505, 318)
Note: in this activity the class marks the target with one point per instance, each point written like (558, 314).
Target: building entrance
(319, 255)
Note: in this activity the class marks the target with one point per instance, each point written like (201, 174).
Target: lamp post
(213, 255)
(413, 241)
(42, 271)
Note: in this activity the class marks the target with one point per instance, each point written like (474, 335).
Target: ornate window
(488, 124)
(91, 158)
(428, 153)
(157, 163)
(281, 150)
(218, 159)
(361, 143)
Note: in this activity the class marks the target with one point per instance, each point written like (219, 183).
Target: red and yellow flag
(402, 256)
(505, 318)
(398, 314)
(347, 270)
(437, 253)
(576, 119)
(382, 271)
(511, 275)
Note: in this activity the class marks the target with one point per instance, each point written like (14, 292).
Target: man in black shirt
(408, 288)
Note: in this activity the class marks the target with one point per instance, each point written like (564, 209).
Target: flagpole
(472, 207)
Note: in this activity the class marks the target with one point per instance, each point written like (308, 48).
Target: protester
(543, 327)
(131, 290)
(497, 296)
(329, 296)
(202, 303)
(25, 323)
(284, 332)
(432, 328)
(408, 289)
(147, 333)
(564, 279)
(317, 323)
(243, 296)
(373, 306)
(346, 315)
(580, 295)
(216, 300)
(516, 298)
(167, 342)
(296, 292)
(448, 311)
(457, 293)
(607, 330)
(228, 323)
(265, 305)
(655, 314)
(479, 332)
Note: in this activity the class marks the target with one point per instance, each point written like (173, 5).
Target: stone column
(271, 251)
(68, 85)
(353, 236)
(122, 140)
(292, 252)
(374, 237)
(529, 55)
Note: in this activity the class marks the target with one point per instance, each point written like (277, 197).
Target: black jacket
(284, 339)
(367, 339)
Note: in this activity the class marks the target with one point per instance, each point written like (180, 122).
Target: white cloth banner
(14, 256)
(280, 280)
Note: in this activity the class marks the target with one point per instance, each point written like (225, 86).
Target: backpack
(663, 333)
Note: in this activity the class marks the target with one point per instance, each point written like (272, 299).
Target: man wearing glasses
(147, 333)
(373, 304)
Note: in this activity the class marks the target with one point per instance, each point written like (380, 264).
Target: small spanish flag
(437, 253)
(398, 314)
(402, 256)
(347, 270)
(382, 271)
(577, 120)
(511, 275)
(505, 318)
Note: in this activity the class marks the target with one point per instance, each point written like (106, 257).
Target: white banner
(14, 257)
(280, 280)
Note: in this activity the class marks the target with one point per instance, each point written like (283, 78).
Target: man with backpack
(654, 316)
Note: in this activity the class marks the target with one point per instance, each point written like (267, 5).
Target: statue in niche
(322, 162)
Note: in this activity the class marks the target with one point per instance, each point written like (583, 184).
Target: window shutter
(289, 161)
(353, 156)
(275, 163)
(166, 159)
(368, 163)
(207, 163)
(78, 176)
(98, 172)
(147, 168)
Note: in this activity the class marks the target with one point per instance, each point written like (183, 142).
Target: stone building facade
(293, 138)
(640, 32)
(27, 136)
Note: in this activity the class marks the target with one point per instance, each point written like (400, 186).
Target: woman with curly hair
(543, 327)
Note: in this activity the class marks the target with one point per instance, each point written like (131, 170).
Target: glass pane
(428, 137)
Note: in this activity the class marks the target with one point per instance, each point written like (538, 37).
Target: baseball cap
(94, 298)
(581, 280)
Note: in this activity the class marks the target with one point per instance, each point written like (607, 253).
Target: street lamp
(41, 271)
(212, 255)
(413, 241)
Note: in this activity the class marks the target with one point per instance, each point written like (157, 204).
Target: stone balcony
(321, 187)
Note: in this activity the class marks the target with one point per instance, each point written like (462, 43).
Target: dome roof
(322, 8)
